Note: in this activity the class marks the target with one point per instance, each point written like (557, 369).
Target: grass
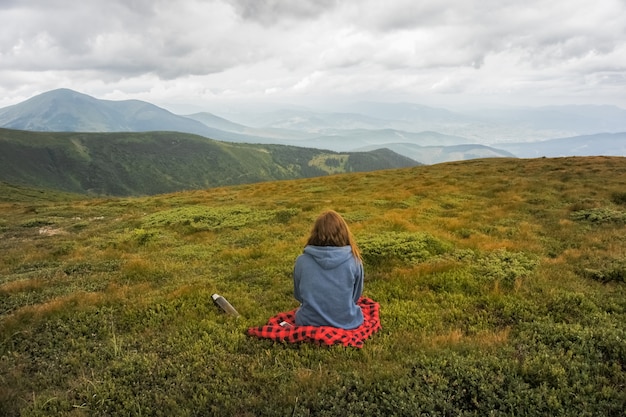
(501, 284)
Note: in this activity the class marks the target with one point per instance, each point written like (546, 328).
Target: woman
(328, 276)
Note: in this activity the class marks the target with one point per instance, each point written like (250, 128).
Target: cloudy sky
(201, 54)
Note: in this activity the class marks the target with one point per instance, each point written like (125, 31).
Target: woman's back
(328, 281)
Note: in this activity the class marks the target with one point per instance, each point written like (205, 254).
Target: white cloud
(209, 50)
(269, 12)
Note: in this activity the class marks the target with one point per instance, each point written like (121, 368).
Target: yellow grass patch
(483, 339)
(22, 285)
(451, 338)
(43, 310)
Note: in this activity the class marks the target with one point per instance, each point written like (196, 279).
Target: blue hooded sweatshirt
(328, 281)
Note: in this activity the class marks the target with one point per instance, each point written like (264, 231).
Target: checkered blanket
(323, 335)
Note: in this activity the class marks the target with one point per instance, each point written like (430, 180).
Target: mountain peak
(61, 93)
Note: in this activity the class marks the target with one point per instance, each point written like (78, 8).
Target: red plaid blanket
(321, 334)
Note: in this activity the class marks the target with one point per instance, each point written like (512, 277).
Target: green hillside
(502, 286)
(147, 163)
(17, 193)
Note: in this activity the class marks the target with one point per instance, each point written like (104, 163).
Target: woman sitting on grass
(328, 282)
(328, 276)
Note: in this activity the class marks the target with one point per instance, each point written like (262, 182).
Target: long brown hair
(330, 229)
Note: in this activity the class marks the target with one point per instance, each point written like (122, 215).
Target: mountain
(306, 120)
(482, 125)
(223, 129)
(579, 119)
(132, 163)
(437, 154)
(338, 128)
(217, 122)
(66, 110)
(357, 139)
(339, 140)
(607, 144)
(362, 115)
(407, 112)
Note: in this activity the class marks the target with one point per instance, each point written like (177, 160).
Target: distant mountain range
(606, 144)
(145, 163)
(425, 134)
(486, 126)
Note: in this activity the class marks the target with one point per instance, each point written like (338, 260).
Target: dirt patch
(50, 231)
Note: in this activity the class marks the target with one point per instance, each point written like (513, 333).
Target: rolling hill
(162, 162)
(437, 154)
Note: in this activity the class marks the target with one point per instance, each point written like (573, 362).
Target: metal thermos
(224, 305)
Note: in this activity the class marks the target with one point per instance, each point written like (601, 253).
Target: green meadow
(502, 286)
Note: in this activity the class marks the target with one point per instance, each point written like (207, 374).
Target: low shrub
(599, 215)
(613, 271)
(619, 198)
(202, 218)
(504, 267)
(401, 247)
(143, 236)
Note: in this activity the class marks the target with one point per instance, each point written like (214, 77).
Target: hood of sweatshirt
(329, 257)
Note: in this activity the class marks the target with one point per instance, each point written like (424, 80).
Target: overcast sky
(208, 53)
